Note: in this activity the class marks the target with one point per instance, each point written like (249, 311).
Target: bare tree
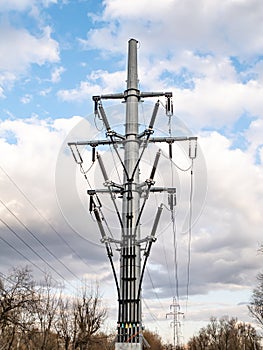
(64, 324)
(39, 317)
(89, 314)
(45, 309)
(256, 305)
(225, 334)
(15, 303)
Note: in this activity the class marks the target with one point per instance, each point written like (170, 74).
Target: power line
(153, 316)
(153, 287)
(42, 216)
(167, 267)
(29, 247)
(38, 240)
(172, 204)
(189, 234)
(18, 252)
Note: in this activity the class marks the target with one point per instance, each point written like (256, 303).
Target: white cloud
(98, 82)
(210, 93)
(254, 137)
(45, 92)
(56, 74)
(229, 27)
(80, 93)
(22, 5)
(26, 99)
(233, 206)
(19, 49)
(17, 5)
(2, 95)
(29, 151)
(188, 49)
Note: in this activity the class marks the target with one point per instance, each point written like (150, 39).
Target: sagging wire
(171, 208)
(96, 208)
(108, 183)
(97, 116)
(119, 156)
(98, 200)
(37, 239)
(192, 156)
(189, 233)
(154, 289)
(115, 164)
(153, 316)
(42, 216)
(167, 266)
(149, 154)
(35, 252)
(110, 133)
(149, 182)
(148, 132)
(78, 159)
(192, 153)
(172, 201)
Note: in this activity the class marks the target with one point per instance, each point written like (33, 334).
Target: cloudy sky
(56, 54)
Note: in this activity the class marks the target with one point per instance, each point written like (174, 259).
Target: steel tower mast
(133, 194)
(175, 307)
(130, 264)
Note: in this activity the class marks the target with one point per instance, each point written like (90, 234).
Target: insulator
(169, 106)
(171, 200)
(76, 155)
(104, 118)
(170, 151)
(101, 228)
(93, 154)
(96, 101)
(156, 220)
(157, 157)
(155, 111)
(192, 148)
(103, 170)
(96, 107)
(91, 204)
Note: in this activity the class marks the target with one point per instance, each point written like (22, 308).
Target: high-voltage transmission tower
(133, 195)
(175, 313)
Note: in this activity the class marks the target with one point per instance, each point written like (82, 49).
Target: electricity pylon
(133, 195)
(175, 307)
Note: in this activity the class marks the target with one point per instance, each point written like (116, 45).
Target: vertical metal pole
(129, 323)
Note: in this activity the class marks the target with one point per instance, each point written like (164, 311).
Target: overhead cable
(42, 216)
(38, 240)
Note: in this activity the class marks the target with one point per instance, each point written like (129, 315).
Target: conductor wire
(190, 232)
(103, 217)
(172, 206)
